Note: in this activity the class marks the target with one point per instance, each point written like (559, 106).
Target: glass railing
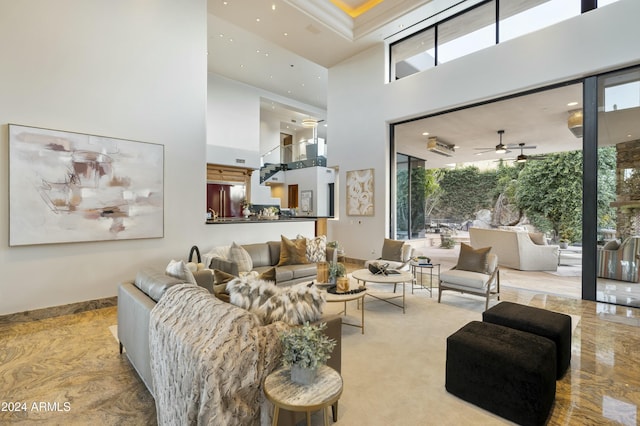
(298, 152)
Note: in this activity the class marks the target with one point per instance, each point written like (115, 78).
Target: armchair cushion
(465, 279)
(392, 250)
(473, 260)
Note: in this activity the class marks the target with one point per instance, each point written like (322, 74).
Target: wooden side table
(319, 395)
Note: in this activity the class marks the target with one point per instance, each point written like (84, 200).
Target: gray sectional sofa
(138, 297)
(266, 256)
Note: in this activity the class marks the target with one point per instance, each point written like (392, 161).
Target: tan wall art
(71, 187)
(360, 201)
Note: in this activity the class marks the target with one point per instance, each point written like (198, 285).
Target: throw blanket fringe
(209, 359)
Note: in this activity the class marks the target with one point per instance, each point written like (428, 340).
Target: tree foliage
(550, 191)
(465, 191)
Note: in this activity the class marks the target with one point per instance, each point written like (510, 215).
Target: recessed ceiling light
(266, 54)
(425, 134)
(258, 51)
(456, 147)
(221, 35)
(286, 34)
(628, 136)
(231, 40)
(257, 19)
(273, 7)
(225, 3)
(241, 65)
(572, 104)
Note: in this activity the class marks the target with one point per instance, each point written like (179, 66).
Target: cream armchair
(396, 253)
(478, 283)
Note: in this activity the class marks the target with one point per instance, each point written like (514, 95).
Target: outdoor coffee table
(402, 277)
(344, 298)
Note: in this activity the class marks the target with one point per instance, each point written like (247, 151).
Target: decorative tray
(333, 290)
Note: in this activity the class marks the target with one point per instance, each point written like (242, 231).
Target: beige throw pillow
(239, 255)
(292, 252)
(474, 260)
(392, 250)
(179, 270)
(538, 238)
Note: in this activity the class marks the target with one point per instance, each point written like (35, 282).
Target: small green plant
(333, 244)
(337, 269)
(306, 346)
(447, 242)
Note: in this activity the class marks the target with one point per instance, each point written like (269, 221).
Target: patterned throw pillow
(179, 270)
(316, 248)
(474, 260)
(293, 252)
(294, 305)
(239, 255)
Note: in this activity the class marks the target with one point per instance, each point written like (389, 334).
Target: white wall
(122, 69)
(360, 104)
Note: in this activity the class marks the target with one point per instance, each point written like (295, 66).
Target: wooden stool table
(322, 393)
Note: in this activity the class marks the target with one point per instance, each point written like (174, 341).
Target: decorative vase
(564, 245)
(246, 212)
(343, 284)
(302, 375)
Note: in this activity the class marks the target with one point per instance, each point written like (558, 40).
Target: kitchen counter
(254, 219)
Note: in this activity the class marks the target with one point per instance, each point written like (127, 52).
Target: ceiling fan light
(521, 158)
(501, 149)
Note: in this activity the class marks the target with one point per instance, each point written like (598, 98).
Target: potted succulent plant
(336, 270)
(305, 348)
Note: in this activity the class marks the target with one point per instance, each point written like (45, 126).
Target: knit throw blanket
(209, 359)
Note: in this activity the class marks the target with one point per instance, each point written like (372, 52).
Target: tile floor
(67, 370)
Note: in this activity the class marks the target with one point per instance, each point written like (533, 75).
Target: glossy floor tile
(68, 370)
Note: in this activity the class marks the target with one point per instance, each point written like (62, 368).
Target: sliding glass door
(410, 200)
(618, 250)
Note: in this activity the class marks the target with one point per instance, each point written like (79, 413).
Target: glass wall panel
(618, 188)
(410, 200)
(519, 17)
(402, 197)
(467, 33)
(414, 54)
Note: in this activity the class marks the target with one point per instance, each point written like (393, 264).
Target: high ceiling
(286, 46)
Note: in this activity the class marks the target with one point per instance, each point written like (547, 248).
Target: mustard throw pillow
(292, 252)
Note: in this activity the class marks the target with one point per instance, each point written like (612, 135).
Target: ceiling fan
(524, 158)
(502, 148)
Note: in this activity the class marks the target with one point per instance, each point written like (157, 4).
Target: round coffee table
(323, 392)
(337, 297)
(402, 277)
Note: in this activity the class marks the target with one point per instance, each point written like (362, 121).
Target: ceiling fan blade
(513, 146)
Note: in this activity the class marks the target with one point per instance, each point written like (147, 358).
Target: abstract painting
(71, 187)
(360, 187)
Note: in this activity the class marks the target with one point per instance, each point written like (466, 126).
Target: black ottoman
(503, 370)
(552, 325)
